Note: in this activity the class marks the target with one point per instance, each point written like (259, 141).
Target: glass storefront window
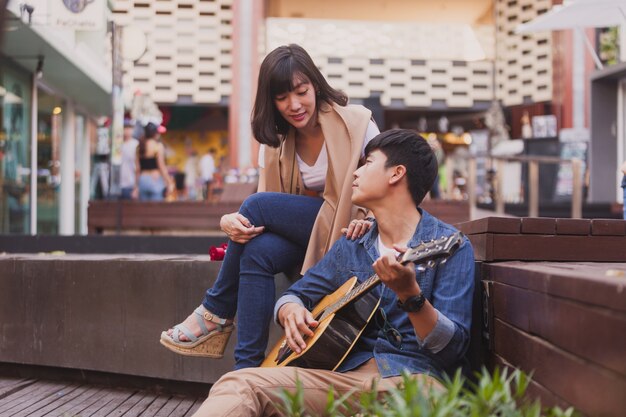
(15, 108)
(48, 162)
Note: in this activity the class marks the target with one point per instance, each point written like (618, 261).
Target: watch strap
(412, 304)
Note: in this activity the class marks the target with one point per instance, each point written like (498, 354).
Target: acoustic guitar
(343, 315)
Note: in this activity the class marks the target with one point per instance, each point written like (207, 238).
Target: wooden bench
(105, 312)
(177, 217)
(554, 304)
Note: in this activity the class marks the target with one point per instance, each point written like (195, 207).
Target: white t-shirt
(383, 250)
(207, 167)
(314, 177)
(191, 171)
(127, 169)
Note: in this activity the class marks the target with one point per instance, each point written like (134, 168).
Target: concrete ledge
(106, 312)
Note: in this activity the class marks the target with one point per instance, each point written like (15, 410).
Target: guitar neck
(351, 295)
(426, 254)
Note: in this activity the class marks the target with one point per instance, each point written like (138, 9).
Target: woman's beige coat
(344, 131)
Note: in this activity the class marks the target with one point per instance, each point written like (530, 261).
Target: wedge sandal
(210, 344)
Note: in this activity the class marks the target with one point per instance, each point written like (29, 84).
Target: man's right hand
(238, 228)
(297, 322)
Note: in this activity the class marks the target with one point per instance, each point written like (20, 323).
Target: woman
(152, 176)
(305, 127)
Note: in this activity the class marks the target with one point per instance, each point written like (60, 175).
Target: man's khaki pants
(254, 392)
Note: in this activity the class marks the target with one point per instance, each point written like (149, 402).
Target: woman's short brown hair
(277, 74)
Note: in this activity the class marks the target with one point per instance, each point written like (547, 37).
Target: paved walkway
(38, 398)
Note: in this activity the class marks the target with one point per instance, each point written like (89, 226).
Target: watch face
(412, 304)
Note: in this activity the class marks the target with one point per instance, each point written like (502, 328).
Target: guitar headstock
(433, 252)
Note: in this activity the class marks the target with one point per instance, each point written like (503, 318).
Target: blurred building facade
(431, 66)
(54, 84)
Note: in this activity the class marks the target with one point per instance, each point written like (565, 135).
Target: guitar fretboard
(350, 295)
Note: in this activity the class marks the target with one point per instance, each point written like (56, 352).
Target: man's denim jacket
(449, 288)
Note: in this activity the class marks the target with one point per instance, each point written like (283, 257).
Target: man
(427, 312)
(207, 170)
(127, 168)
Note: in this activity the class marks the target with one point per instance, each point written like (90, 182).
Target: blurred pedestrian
(152, 176)
(191, 175)
(207, 170)
(435, 145)
(128, 168)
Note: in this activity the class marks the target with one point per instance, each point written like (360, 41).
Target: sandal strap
(207, 315)
(181, 328)
(201, 324)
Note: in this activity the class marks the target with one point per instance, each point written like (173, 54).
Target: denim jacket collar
(425, 230)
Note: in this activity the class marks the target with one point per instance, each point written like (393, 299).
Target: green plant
(501, 394)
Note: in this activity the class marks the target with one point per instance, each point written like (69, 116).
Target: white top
(383, 250)
(191, 171)
(207, 167)
(127, 169)
(314, 177)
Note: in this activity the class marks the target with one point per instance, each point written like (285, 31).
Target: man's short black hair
(406, 147)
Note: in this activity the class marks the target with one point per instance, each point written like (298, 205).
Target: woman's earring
(318, 92)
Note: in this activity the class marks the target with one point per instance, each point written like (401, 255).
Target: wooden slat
(105, 405)
(183, 407)
(52, 402)
(535, 390)
(35, 390)
(80, 405)
(591, 389)
(141, 405)
(572, 280)
(194, 407)
(557, 248)
(148, 405)
(118, 406)
(491, 225)
(53, 399)
(482, 244)
(573, 227)
(10, 385)
(168, 408)
(538, 225)
(608, 227)
(39, 397)
(592, 333)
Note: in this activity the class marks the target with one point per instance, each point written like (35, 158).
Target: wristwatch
(412, 304)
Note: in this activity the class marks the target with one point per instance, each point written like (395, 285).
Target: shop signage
(77, 14)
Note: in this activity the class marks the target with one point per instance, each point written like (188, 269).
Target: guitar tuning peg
(443, 261)
(421, 268)
(431, 263)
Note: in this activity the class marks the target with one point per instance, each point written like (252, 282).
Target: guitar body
(334, 337)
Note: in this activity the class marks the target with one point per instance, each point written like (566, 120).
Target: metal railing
(498, 163)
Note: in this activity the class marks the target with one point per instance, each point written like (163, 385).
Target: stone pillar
(67, 193)
(248, 17)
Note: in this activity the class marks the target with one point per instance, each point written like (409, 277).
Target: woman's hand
(356, 229)
(238, 228)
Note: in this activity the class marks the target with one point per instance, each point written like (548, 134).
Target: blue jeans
(150, 188)
(245, 283)
(127, 193)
